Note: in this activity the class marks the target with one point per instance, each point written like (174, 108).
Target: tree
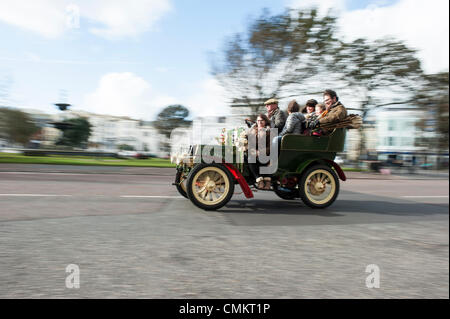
(125, 147)
(380, 73)
(5, 87)
(76, 132)
(433, 99)
(297, 53)
(277, 56)
(171, 117)
(16, 126)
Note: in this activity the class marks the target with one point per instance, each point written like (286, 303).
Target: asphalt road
(133, 236)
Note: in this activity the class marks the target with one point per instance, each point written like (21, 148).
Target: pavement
(133, 236)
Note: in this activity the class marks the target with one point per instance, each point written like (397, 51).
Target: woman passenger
(295, 120)
(261, 132)
(309, 108)
(320, 112)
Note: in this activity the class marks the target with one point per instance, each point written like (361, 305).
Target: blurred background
(106, 80)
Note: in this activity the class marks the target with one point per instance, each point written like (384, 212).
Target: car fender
(308, 163)
(240, 179)
(338, 169)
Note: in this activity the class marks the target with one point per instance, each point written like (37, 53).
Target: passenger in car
(320, 112)
(276, 116)
(334, 112)
(261, 132)
(295, 120)
(309, 108)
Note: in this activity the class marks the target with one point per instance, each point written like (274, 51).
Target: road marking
(56, 173)
(142, 196)
(34, 195)
(107, 173)
(420, 196)
(56, 195)
(41, 173)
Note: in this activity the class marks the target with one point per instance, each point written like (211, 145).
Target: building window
(390, 141)
(222, 119)
(407, 141)
(391, 125)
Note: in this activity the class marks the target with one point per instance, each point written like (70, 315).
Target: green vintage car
(306, 170)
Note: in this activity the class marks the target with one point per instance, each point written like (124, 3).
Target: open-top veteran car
(306, 170)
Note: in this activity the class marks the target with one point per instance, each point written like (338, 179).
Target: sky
(133, 58)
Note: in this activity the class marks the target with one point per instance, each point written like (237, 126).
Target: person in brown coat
(334, 112)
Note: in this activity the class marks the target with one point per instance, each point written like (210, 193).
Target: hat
(271, 101)
(312, 103)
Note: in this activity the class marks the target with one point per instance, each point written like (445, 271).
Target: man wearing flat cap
(276, 116)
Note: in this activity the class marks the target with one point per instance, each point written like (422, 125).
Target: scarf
(272, 113)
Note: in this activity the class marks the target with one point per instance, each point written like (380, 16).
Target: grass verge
(83, 160)
(99, 161)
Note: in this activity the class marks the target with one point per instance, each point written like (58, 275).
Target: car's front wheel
(210, 186)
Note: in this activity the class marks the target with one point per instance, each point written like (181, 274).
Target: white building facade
(108, 132)
(398, 133)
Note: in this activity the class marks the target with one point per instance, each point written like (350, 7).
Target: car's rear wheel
(319, 186)
(210, 186)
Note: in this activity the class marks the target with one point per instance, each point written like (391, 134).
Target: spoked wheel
(210, 186)
(180, 181)
(319, 186)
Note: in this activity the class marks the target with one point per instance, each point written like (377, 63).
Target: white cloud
(120, 94)
(118, 18)
(323, 6)
(127, 94)
(209, 99)
(105, 18)
(45, 17)
(423, 25)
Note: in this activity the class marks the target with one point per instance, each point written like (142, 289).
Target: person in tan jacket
(334, 112)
